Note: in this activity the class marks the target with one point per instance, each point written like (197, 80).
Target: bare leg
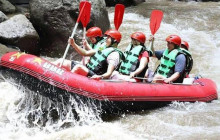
(80, 69)
(117, 76)
(66, 64)
(86, 60)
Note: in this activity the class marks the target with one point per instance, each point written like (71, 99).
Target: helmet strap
(113, 42)
(98, 39)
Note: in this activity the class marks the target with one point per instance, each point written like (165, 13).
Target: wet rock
(6, 7)
(54, 21)
(19, 1)
(136, 2)
(3, 17)
(19, 31)
(23, 9)
(124, 2)
(200, 0)
(4, 49)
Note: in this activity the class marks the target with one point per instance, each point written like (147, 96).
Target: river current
(22, 112)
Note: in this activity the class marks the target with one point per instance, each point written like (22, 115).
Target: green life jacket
(189, 62)
(98, 63)
(100, 45)
(167, 62)
(131, 62)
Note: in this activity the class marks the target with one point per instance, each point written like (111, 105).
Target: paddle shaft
(84, 37)
(73, 33)
(147, 78)
(151, 47)
(68, 46)
(155, 20)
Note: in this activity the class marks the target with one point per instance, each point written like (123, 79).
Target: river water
(22, 112)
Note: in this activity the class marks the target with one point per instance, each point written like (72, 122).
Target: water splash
(179, 120)
(25, 110)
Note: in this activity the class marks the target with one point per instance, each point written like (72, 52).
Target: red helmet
(94, 32)
(139, 36)
(114, 34)
(184, 43)
(175, 39)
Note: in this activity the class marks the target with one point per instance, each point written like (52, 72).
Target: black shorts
(90, 73)
(73, 64)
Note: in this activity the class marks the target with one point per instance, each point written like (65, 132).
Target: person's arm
(106, 75)
(180, 64)
(86, 44)
(172, 78)
(110, 69)
(152, 46)
(113, 61)
(159, 54)
(80, 50)
(143, 62)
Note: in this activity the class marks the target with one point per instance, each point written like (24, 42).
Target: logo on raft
(16, 56)
(53, 68)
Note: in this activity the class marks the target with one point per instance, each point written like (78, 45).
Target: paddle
(85, 20)
(147, 78)
(119, 13)
(85, 7)
(155, 20)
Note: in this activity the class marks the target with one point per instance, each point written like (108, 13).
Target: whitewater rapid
(176, 121)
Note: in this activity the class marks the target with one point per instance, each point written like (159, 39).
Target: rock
(54, 21)
(124, 2)
(3, 17)
(136, 2)
(19, 1)
(4, 49)
(200, 0)
(19, 31)
(6, 7)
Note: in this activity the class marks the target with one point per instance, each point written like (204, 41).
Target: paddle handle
(84, 37)
(68, 46)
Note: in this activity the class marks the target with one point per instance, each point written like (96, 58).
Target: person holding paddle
(136, 59)
(98, 42)
(173, 62)
(102, 62)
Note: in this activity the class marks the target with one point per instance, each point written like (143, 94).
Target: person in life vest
(136, 59)
(173, 62)
(97, 42)
(103, 62)
(189, 60)
(184, 45)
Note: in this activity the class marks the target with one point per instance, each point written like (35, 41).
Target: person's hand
(151, 38)
(132, 74)
(96, 77)
(71, 41)
(85, 43)
(158, 79)
(167, 80)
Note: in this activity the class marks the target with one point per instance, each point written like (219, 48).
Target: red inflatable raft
(204, 90)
